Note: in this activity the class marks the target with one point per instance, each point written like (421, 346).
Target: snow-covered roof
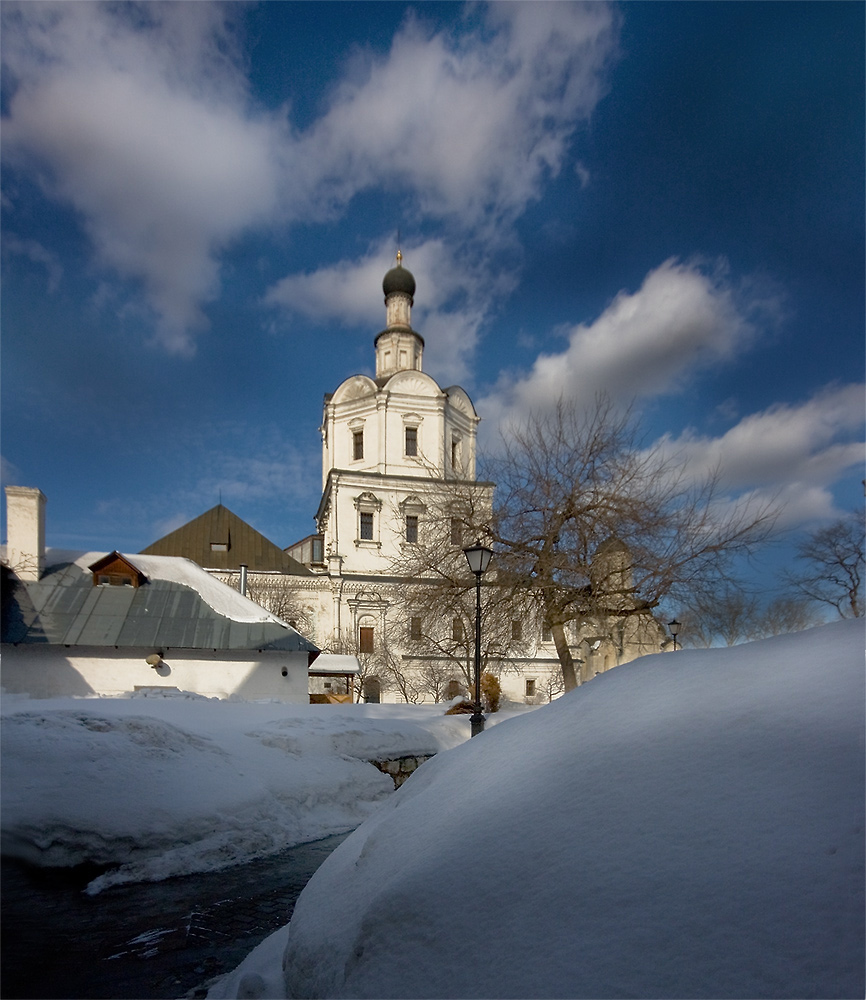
(335, 663)
(179, 606)
(223, 599)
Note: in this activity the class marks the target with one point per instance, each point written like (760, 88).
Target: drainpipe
(242, 585)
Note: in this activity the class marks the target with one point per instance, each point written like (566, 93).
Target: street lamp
(675, 627)
(478, 558)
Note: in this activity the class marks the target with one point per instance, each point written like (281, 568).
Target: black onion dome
(399, 279)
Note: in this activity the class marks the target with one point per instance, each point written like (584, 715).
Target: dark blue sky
(663, 201)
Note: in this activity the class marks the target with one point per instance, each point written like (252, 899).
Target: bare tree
(787, 613)
(725, 617)
(734, 615)
(833, 570)
(574, 486)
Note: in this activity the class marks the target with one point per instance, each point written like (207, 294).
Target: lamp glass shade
(478, 557)
(674, 626)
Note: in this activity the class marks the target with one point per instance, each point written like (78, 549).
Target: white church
(397, 449)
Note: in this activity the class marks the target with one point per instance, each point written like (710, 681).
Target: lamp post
(675, 627)
(478, 558)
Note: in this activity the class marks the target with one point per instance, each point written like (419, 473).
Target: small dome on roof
(399, 279)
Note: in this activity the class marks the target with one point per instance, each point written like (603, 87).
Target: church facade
(399, 457)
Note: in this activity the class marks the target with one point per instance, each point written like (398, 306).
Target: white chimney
(25, 531)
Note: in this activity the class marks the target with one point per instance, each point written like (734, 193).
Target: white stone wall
(51, 671)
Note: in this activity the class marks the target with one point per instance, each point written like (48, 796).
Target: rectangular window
(456, 531)
(365, 639)
(366, 527)
(219, 546)
(318, 554)
(357, 445)
(412, 528)
(546, 634)
(457, 630)
(517, 630)
(530, 687)
(415, 628)
(412, 441)
(455, 453)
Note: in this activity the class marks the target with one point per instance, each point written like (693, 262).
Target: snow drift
(687, 825)
(161, 786)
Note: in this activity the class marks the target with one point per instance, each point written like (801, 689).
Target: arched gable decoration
(413, 383)
(459, 398)
(356, 387)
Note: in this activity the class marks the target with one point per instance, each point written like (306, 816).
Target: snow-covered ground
(687, 825)
(165, 786)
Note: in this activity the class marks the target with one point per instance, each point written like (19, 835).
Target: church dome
(399, 279)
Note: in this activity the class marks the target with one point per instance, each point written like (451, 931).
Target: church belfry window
(412, 441)
(357, 445)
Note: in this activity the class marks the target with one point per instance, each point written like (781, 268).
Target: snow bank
(163, 786)
(687, 825)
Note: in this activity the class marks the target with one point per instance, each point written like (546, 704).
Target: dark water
(152, 940)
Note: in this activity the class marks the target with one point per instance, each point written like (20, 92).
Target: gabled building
(111, 623)
(221, 542)
(233, 551)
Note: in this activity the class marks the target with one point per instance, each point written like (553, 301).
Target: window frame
(410, 441)
(411, 523)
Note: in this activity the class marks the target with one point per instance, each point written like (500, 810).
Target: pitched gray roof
(237, 542)
(65, 608)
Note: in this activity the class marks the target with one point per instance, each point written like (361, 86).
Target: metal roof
(242, 544)
(65, 608)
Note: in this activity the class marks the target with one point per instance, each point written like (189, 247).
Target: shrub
(491, 692)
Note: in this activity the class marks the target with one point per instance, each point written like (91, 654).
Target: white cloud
(134, 117)
(683, 317)
(470, 125)
(138, 116)
(795, 452)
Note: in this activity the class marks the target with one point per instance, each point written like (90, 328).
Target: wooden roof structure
(220, 540)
